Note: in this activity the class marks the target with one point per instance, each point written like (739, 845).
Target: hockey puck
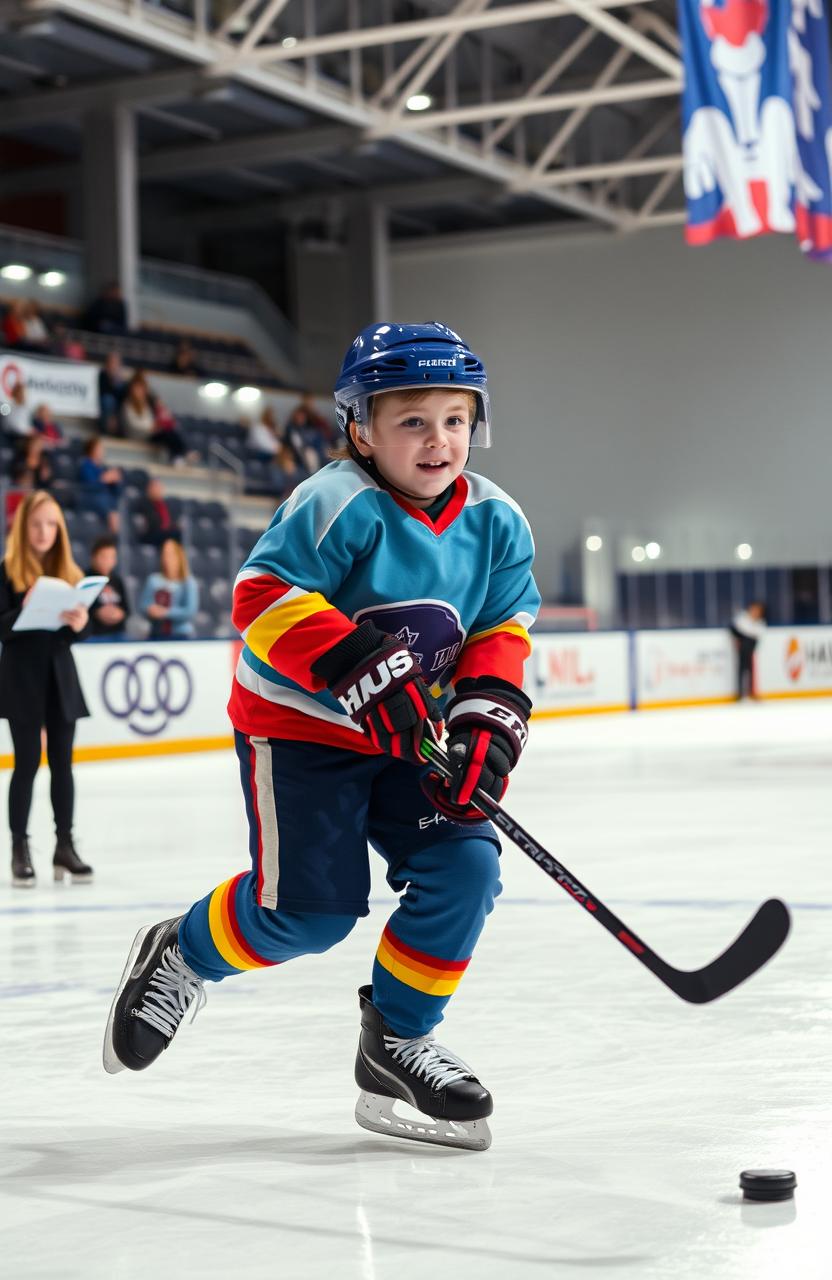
(767, 1184)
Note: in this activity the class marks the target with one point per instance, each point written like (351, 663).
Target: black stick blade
(761, 938)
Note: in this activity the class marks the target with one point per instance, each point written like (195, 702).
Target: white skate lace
(423, 1057)
(176, 985)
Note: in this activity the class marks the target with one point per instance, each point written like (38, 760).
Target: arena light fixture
(52, 279)
(744, 551)
(652, 550)
(289, 42)
(419, 102)
(247, 395)
(638, 554)
(213, 390)
(594, 543)
(15, 271)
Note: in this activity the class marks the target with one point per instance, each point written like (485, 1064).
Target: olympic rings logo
(148, 692)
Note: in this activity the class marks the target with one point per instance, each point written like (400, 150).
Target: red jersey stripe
(253, 595)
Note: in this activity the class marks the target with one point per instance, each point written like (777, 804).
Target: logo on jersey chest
(431, 629)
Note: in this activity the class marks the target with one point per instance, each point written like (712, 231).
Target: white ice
(622, 1116)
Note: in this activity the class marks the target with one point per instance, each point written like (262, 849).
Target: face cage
(359, 407)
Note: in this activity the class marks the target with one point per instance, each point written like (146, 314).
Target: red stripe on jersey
(500, 654)
(259, 718)
(293, 653)
(253, 595)
(446, 517)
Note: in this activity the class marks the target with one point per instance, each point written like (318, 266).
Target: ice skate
(66, 862)
(23, 873)
(155, 992)
(423, 1074)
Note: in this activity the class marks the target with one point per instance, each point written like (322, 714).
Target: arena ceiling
(254, 113)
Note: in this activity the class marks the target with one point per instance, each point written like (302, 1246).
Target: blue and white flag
(757, 120)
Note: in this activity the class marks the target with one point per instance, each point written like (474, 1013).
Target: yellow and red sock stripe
(430, 974)
(286, 626)
(226, 933)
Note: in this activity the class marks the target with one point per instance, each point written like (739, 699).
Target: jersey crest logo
(431, 629)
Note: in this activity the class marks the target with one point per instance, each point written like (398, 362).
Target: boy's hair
(100, 544)
(347, 449)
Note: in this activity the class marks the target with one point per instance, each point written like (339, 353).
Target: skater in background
(393, 589)
(747, 626)
(39, 684)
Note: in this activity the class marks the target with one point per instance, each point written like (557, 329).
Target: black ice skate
(155, 992)
(23, 873)
(67, 863)
(423, 1074)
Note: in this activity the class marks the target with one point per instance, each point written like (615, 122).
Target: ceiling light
(744, 551)
(15, 271)
(653, 550)
(52, 279)
(213, 390)
(247, 395)
(289, 42)
(419, 102)
(594, 543)
(638, 554)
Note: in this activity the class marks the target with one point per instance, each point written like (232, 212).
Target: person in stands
(159, 524)
(170, 597)
(109, 613)
(100, 485)
(107, 313)
(112, 388)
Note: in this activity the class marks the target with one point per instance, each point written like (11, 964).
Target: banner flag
(757, 120)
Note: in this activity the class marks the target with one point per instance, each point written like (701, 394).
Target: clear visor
(385, 419)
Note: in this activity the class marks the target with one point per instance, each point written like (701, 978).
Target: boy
(392, 582)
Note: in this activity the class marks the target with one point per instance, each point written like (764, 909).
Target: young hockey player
(391, 585)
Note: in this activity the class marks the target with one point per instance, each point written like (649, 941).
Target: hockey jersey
(341, 550)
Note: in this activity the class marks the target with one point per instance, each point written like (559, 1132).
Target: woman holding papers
(39, 684)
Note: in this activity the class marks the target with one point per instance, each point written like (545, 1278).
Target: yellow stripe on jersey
(274, 623)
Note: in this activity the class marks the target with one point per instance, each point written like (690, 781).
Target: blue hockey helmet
(406, 357)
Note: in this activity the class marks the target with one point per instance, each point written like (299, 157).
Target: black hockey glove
(487, 730)
(379, 684)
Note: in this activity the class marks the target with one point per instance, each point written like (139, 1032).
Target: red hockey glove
(487, 730)
(379, 684)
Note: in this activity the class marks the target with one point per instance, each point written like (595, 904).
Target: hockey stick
(764, 934)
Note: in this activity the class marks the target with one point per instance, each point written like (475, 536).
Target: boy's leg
(428, 941)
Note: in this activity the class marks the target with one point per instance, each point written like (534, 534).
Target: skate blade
(375, 1112)
(28, 883)
(61, 873)
(112, 1062)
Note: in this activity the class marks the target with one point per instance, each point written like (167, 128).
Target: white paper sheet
(51, 597)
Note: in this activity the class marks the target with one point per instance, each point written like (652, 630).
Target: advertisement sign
(794, 662)
(150, 699)
(678, 667)
(578, 673)
(65, 385)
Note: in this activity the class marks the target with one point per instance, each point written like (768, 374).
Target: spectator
(286, 472)
(112, 388)
(107, 313)
(36, 334)
(170, 597)
(47, 428)
(18, 421)
(305, 440)
(64, 344)
(262, 438)
(314, 419)
(167, 435)
(14, 324)
(184, 360)
(747, 626)
(100, 485)
(159, 523)
(109, 614)
(31, 469)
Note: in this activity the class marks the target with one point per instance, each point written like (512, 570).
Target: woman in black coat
(39, 685)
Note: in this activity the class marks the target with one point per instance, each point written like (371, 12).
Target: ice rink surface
(622, 1116)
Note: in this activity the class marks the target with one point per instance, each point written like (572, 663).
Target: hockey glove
(487, 730)
(379, 683)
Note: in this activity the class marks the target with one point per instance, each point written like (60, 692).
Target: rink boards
(164, 698)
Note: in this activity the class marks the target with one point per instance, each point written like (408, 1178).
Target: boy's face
(420, 445)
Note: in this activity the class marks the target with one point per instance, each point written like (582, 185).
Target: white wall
(678, 393)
